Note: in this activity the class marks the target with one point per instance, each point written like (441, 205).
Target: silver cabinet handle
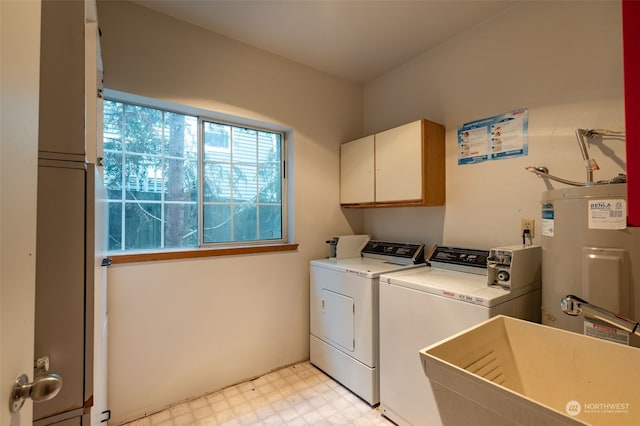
(43, 388)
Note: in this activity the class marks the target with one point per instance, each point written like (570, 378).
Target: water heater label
(607, 214)
(548, 217)
(604, 331)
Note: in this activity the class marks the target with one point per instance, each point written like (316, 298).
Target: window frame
(214, 248)
(283, 182)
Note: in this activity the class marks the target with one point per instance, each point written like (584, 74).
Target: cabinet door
(62, 103)
(60, 283)
(398, 157)
(356, 171)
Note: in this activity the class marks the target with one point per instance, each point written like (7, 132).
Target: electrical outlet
(528, 224)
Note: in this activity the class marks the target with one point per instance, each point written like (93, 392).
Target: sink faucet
(574, 306)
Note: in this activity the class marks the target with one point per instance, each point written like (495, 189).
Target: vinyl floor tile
(296, 395)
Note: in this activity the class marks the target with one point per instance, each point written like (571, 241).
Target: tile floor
(296, 395)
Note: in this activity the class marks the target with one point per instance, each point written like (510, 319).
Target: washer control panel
(460, 259)
(514, 267)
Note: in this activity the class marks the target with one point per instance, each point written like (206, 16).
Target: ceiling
(357, 40)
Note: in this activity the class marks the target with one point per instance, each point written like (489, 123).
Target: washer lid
(460, 286)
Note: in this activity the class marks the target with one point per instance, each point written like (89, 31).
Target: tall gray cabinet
(65, 245)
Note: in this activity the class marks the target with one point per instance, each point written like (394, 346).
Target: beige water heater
(588, 251)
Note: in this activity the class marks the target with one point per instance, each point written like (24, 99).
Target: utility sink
(507, 371)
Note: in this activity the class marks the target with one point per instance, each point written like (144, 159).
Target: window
(175, 180)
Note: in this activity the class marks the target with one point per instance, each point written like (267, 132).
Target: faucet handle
(571, 305)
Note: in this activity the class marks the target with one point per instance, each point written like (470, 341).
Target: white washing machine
(344, 312)
(421, 307)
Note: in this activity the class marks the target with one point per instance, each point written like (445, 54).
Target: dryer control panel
(393, 252)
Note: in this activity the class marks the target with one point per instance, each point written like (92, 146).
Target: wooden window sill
(193, 254)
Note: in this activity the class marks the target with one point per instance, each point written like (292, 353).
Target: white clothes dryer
(344, 313)
(421, 307)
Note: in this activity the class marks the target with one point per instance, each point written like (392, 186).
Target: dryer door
(343, 312)
(338, 319)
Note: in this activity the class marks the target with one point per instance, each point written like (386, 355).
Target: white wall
(180, 329)
(561, 60)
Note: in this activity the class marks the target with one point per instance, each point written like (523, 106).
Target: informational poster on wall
(493, 138)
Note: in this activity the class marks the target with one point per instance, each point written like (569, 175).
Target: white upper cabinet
(403, 166)
(357, 171)
(399, 163)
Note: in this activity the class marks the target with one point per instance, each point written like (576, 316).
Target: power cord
(526, 233)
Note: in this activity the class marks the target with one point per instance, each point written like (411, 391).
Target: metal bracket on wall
(108, 413)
